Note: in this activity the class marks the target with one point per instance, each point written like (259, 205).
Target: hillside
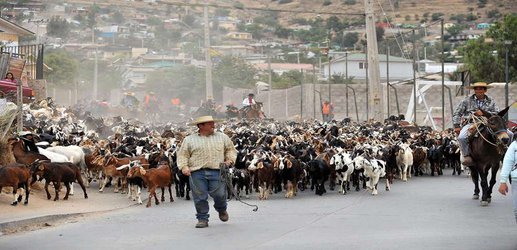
(400, 11)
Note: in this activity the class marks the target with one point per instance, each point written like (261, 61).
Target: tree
(380, 33)
(350, 39)
(92, 16)
(58, 27)
(486, 60)
(118, 18)
(184, 81)
(234, 72)
(64, 67)
(455, 29)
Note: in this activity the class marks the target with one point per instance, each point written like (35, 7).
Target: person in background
(509, 172)
(129, 100)
(327, 109)
(10, 77)
(200, 157)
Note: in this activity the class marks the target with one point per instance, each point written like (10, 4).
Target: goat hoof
(14, 203)
(475, 197)
(484, 203)
(25, 203)
(86, 196)
(489, 200)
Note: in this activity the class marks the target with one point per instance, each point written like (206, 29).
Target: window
(363, 65)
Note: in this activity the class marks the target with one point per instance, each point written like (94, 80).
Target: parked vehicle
(8, 90)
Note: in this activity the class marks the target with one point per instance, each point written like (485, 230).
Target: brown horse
(488, 146)
(22, 156)
(253, 112)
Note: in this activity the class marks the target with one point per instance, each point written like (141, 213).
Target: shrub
(327, 2)
(350, 2)
(436, 16)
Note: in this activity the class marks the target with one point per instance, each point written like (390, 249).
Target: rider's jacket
(247, 102)
(470, 104)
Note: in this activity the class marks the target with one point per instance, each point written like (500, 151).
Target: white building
(399, 68)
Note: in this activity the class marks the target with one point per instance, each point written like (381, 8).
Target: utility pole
(443, 73)
(95, 68)
(346, 82)
(376, 93)
(414, 78)
(208, 71)
(269, 82)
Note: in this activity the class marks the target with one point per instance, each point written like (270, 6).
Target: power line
(260, 9)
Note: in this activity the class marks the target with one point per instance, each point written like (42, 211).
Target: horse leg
(484, 186)
(493, 174)
(474, 175)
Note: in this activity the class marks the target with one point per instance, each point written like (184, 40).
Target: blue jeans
(204, 182)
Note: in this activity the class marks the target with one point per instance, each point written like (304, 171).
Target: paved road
(424, 213)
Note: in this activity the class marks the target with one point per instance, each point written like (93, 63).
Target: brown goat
(57, 172)
(21, 155)
(16, 176)
(154, 178)
(111, 163)
(265, 177)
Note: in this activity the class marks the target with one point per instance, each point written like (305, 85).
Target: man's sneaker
(223, 216)
(467, 161)
(202, 224)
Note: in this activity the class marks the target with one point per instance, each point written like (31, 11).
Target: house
(356, 64)
(10, 33)
(430, 67)
(483, 26)
(111, 51)
(232, 50)
(280, 68)
(239, 35)
(229, 25)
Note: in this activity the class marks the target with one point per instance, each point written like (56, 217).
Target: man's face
(480, 91)
(207, 127)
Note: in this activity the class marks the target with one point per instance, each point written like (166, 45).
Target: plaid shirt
(470, 104)
(197, 152)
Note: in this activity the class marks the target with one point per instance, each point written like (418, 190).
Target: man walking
(200, 157)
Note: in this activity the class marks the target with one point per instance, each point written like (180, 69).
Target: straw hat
(203, 119)
(479, 84)
(24, 133)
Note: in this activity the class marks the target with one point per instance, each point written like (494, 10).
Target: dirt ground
(39, 205)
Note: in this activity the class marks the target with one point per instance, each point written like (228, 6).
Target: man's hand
(457, 131)
(185, 171)
(503, 188)
(478, 113)
(228, 163)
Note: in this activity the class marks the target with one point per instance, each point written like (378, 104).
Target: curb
(35, 223)
(11, 227)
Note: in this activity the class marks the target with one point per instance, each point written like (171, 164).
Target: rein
(225, 176)
(483, 121)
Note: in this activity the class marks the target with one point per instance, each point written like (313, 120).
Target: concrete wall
(306, 103)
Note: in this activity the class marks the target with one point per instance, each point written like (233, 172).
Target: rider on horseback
(472, 106)
(247, 102)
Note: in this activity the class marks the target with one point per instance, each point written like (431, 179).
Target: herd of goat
(70, 146)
